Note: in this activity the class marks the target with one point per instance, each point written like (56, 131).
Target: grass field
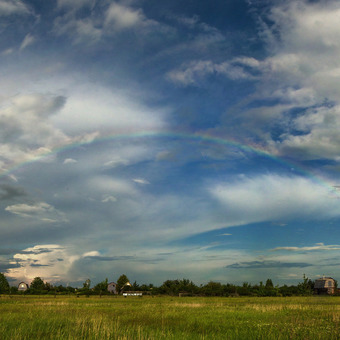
(43, 317)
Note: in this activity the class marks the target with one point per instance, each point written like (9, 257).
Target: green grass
(43, 317)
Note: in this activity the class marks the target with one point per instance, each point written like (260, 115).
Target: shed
(112, 287)
(22, 287)
(324, 285)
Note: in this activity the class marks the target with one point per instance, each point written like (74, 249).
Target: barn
(22, 287)
(112, 287)
(324, 285)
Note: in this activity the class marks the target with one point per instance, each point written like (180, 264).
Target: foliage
(101, 287)
(122, 282)
(306, 286)
(37, 285)
(4, 286)
(174, 287)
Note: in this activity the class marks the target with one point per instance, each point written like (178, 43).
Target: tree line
(184, 287)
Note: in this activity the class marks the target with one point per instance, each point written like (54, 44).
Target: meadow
(163, 317)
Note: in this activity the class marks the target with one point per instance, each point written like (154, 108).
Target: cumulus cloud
(69, 161)
(41, 211)
(106, 111)
(122, 17)
(51, 262)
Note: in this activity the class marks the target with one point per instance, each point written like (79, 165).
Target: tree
(4, 286)
(101, 287)
(37, 284)
(269, 284)
(87, 284)
(306, 287)
(122, 282)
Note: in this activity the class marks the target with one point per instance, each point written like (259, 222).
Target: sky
(169, 139)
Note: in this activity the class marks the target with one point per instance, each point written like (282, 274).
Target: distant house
(112, 287)
(22, 287)
(324, 285)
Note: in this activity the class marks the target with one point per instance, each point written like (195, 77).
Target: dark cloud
(267, 264)
(5, 265)
(9, 251)
(39, 265)
(9, 192)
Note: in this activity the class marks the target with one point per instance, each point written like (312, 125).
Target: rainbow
(174, 135)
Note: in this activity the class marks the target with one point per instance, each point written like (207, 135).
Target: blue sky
(169, 139)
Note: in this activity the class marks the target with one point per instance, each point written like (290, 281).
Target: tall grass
(29, 317)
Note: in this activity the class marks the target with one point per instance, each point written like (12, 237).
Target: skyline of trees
(169, 287)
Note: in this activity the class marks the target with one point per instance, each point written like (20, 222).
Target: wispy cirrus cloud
(267, 264)
(41, 211)
(316, 247)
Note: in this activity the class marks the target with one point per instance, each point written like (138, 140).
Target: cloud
(273, 198)
(51, 262)
(108, 199)
(9, 192)
(115, 111)
(267, 264)
(75, 4)
(318, 246)
(10, 7)
(69, 161)
(29, 40)
(40, 211)
(141, 181)
(122, 17)
(195, 72)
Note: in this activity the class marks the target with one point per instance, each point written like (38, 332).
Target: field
(43, 317)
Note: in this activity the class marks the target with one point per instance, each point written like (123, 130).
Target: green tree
(306, 286)
(122, 282)
(37, 284)
(269, 284)
(4, 286)
(101, 287)
(87, 284)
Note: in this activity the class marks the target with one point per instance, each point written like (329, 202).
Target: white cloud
(91, 253)
(9, 7)
(196, 71)
(93, 108)
(41, 211)
(28, 40)
(51, 262)
(317, 246)
(141, 181)
(122, 17)
(69, 161)
(274, 198)
(109, 198)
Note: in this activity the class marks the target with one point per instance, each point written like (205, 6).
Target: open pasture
(68, 317)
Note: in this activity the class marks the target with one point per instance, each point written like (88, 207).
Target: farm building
(112, 287)
(324, 285)
(22, 287)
